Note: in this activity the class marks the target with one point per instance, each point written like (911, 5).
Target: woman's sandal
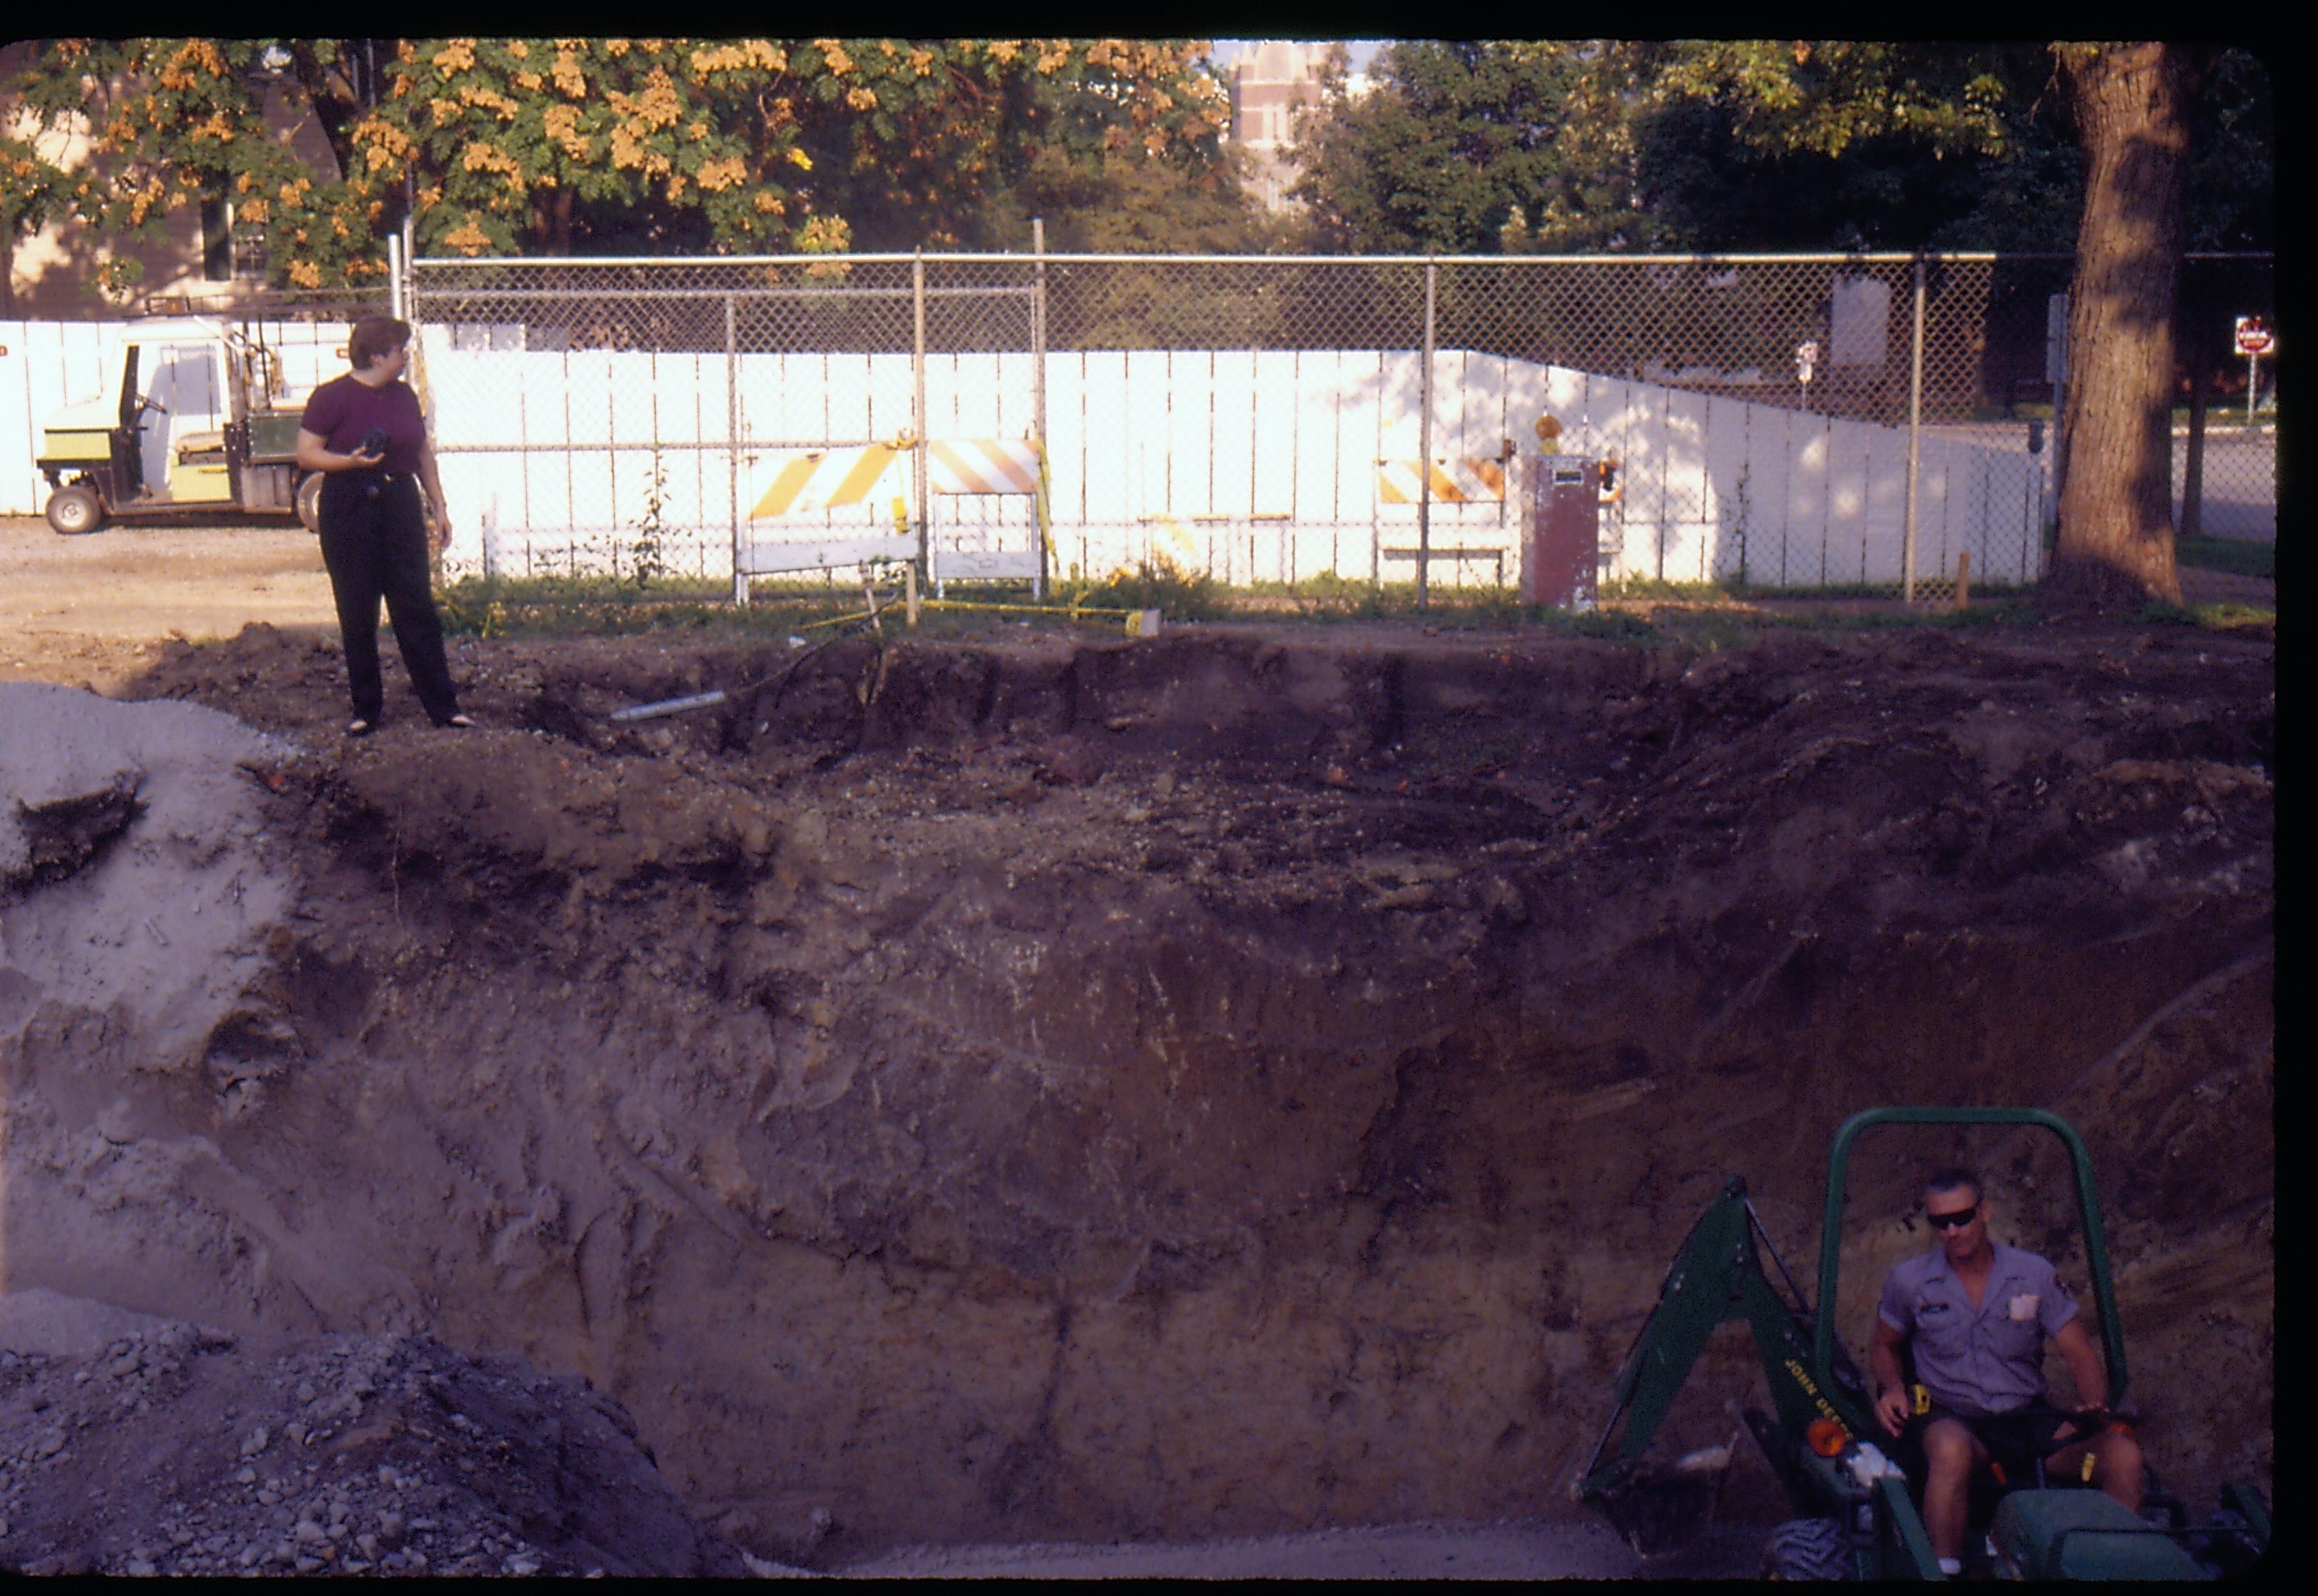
(359, 727)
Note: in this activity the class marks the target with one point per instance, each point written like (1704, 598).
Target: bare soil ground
(1028, 1089)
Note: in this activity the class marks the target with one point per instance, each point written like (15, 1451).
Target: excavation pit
(1052, 1089)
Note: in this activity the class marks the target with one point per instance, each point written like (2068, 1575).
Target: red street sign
(2254, 337)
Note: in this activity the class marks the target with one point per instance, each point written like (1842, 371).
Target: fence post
(397, 305)
(918, 381)
(1038, 365)
(733, 448)
(1424, 442)
(1915, 440)
(2193, 462)
(1039, 328)
(409, 235)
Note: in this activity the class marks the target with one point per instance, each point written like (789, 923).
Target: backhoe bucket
(1664, 1507)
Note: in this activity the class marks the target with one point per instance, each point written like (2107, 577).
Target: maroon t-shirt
(340, 411)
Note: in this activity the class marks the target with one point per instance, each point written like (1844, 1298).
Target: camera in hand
(373, 442)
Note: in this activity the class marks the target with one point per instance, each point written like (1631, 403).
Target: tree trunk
(2116, 545)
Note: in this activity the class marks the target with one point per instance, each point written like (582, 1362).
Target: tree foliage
(1140, 207)
(33, 189)
(177, 123)
(505, 145)
(1748, 145)
(1952, 145)
(1458, 142)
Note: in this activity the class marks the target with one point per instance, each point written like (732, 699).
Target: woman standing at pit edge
(364, 431)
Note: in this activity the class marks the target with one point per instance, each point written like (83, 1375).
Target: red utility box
(1561, 541)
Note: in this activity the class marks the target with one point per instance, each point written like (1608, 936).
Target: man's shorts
(2014, 1440)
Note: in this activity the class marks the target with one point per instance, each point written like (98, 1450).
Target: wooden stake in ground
(1963, 579)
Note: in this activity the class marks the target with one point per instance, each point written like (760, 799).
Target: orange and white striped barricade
(1456, 483)
(1002, 466)
(816, 482)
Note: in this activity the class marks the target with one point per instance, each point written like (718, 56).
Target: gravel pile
(172, 1449)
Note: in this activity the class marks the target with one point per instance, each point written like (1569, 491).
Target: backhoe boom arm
(1717, 1277)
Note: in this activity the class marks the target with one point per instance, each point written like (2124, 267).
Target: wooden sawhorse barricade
(1455, 483)
(858, 474)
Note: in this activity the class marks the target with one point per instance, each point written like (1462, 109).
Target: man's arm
(1891, 1400)
(2086, 1367)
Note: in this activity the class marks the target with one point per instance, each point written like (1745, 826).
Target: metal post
(397, 305)
(918, 378)
(1915, 441)
(1039, 367)
(1039, 328)
(409, 312)
(2193, 464)
(733, 432)
(1424, 443)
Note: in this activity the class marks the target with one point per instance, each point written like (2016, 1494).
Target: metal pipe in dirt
(670, 706)
(716, 696)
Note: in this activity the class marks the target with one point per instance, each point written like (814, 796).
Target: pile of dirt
(136, 1445)
(1228, 1084)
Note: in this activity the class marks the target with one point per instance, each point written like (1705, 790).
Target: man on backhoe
(1974, 1314)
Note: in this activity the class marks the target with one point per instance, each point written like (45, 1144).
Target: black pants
(374, 546)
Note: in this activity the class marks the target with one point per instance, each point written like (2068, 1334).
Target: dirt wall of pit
(1211, 1085)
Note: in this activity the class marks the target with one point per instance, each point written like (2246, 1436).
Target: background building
(198, 264)
(1271, 83)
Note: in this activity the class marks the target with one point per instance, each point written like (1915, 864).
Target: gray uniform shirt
(1982, 1360)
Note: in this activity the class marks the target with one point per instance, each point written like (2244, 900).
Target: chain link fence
(2225, 427)
(1830, 423)
(607, 416)
(247, 301)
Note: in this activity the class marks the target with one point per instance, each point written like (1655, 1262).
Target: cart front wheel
(75, 510)
(310, 501)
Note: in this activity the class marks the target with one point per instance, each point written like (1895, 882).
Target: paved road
(2240, 472)
(2241, 483)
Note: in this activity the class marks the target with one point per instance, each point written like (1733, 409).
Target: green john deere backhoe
(1858, 1515)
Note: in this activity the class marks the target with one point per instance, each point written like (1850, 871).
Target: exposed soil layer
(1221, 1085)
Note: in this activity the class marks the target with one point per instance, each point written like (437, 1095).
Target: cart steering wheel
(146, 401)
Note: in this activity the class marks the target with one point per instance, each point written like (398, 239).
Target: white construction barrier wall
(1251, 465)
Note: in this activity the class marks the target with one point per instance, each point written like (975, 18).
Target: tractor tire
(1807, 1549)
(2225, 1546)
(75, 510)
(310, 501)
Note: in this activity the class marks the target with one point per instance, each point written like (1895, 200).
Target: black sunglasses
(1952, 1222)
